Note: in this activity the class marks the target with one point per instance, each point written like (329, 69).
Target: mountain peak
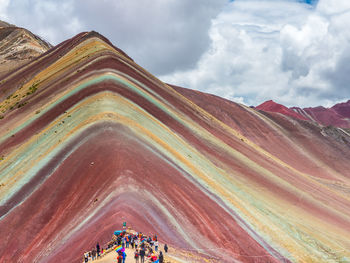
(338, 115)
(272, 106)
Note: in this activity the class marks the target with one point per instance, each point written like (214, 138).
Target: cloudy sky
(296, 52)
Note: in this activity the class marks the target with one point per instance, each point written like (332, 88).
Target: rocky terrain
(18, 46)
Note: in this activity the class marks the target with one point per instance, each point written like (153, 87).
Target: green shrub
(33, 88)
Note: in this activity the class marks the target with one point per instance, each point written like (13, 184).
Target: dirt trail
(111, 257)
(174, 255)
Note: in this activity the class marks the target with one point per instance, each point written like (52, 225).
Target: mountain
(343, 109)
(18, 46)
(272, 106)
(338, 115)
(89, 139)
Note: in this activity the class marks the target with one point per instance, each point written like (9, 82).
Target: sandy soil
(112, 257)
(173, 256)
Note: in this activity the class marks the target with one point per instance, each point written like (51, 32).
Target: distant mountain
(18, 46)
(343, 109)
(272, 106)
(338, 115)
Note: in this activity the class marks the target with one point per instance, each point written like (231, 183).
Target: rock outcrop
(18, 46)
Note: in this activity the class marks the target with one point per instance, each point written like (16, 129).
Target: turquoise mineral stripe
(41, 164)
(14, 166)
(96, 80)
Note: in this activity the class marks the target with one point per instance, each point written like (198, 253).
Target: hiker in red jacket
(142, 255)
(137, 256)
(120, 258)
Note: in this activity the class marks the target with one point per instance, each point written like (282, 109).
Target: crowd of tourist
(145, 248)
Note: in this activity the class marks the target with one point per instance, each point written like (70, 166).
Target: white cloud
(331, 7)
(245, 50)
(279, 50)
(3, 9)
(161, 35)
(53, 20)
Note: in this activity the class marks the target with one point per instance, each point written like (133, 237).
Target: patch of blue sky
(309, 2)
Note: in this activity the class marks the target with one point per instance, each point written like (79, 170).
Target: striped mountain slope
(89, 139)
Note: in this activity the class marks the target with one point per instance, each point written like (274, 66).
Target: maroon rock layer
(338, 115)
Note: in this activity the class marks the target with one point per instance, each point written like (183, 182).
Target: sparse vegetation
(1, 117)
(21, 105)
(33, 88)
(37, 112)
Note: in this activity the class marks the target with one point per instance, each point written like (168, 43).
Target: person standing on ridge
(156, 245)
(161, 257)
(86, 257)
(123, 242)
(98, 249)
(132, 242)
(142, 255)
(93, 253)
(127, 241)
(137, 256)
(166, 248)
(120, 258)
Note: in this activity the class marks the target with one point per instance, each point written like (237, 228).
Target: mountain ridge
(337, 115)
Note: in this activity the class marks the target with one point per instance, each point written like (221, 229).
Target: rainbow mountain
(89, 139)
